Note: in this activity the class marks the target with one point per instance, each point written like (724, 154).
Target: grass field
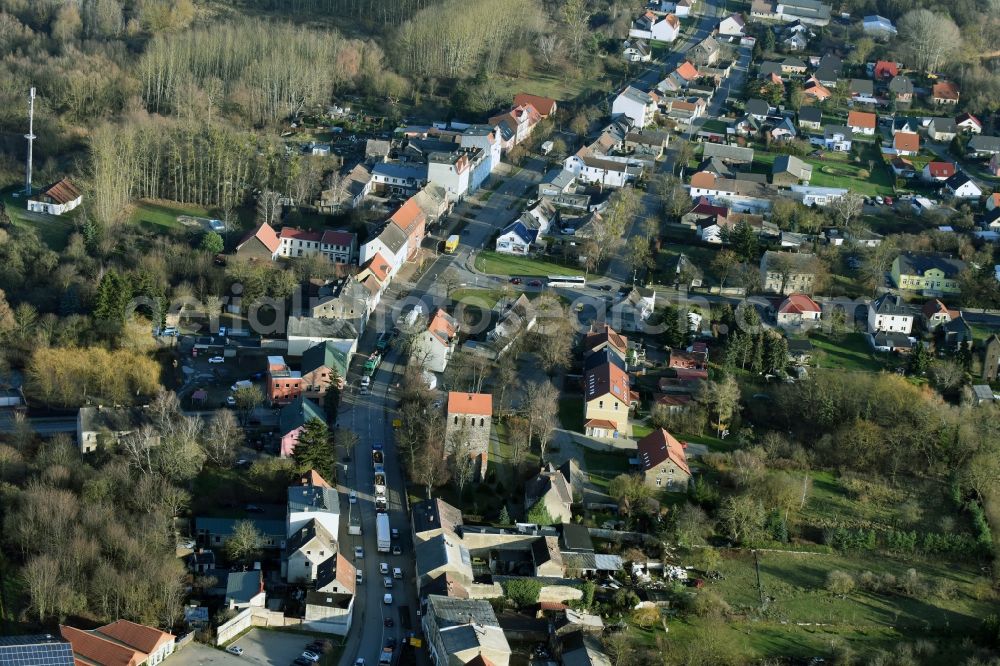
(163, 215)
(557, 87)
(845, 174)
(494, 263)
(852, 352)
(486, 298)
(602, 466)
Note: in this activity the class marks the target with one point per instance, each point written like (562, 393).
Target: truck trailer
(382, 532)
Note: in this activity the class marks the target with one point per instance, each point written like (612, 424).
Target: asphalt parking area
(271, 647)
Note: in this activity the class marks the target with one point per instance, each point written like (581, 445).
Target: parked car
(359, 576)
(535, 283)
(353, 497)
(396, 550)
(233, 649)
(383, 568)
(394, 532)
(515, 280)
(311, 656)
(359, 552)
(216, 359)
(387, 600)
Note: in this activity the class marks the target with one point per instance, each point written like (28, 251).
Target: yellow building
(930, 274)
(606, 396)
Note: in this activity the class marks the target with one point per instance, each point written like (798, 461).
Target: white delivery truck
(382, 532)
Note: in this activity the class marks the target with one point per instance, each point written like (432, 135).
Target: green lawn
(162, 215)
(851, 352)
(839, 173)
(602, 466)
(559, 88)
(494, 263)
(53, 230)
(486, 298)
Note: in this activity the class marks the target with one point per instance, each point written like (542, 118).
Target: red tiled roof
(606, 335)
(933, 307)
(816, 89)
(906, 141)
(941, 169)
(301, 234)
(97, 650)
(379, 267)
(703, 207)
(480, 404)
(798, 304)
(545, 106)
(687, 71)
(346, 575)
(62, 192)
(659, 446)
(443, 326)
(672, 20)
(944, 90)
(776, 79)
(266, 235)
(885, 69)
(313, 478)
(703, 179)
(345, 238)
(480, 660)
(687, 374)
(139, 636)
(604, 379)
(680, 358)
(862, 119)
(967, 116)
(601, 423)
(408, 217)
(672, 400)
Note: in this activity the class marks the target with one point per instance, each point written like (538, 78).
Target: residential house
(862, 91)
(245, 589)
(686, 110)
(658, 27)
(312, 499)
(56, 199)
(398, 177)
(469, 425)
(305, 550)
(605, 171)
(605, 338)
(901, 89)
(636, 50)
(463, 631)
(434, 347)
(607, 399)
(434, 517)
(553, 490)
(663, 463)
(637, 105)
(758, 108)
(815, 90)
(580, 648)
(412, 222)
(942, 129)
(902, 167)
(793, 65)
(961, 186)
(100, 427)
(345, 298)
(728, 153)
(837, 138)
(796, 40)
(513, 319)
(993, 201)
(323, 365)
(545, 106)
(647, 142)
(787, 272)
(889, 313)
(905, 143)
(909, 124)
(705, 53)
(440, 555)
(634, 309)
(811, 12)
(789, 170)
(121, 643)
(215, 532)
(883, 341)
(931, 274)
(305, 332)
(938, 171)
(944, 92)
(452, 171)
(732, 26)
(878, 26)
(968, 123)
(935, 313)
(862, 122)
(516, 125)
(40, 649)
(782, 130)
(796, 310)
(994, 165)
(283, 384)
(810, 117)
(392, 244)
(679, 79)
(516, 238)
(955, 334)
(374, 276)
(292, 419)
(885, 70)
(829, 70)
(352, 188)
(546, 558)
(260, 244)
(984, 146)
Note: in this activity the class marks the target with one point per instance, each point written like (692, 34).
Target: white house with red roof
(337, 246)
(664, 464)
(516, 125)
(121, 643)
(796, 310)
(433, 348)
(546, 106)
(939, 171)
(662, 27)
(56, 199)
(966, 122)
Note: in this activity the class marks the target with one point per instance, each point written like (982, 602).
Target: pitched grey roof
(321, 327)
(943, 124)
(758, 107)
(918, 264)
(306, 533)
(450, 612)
(891, 304)
(769, 67)
(862, 86)
(393, 238)
(810, 114)
(799, 260)
(985, 144)
(901, 85)
(793, 165)
(313, 498)
(243, 586)
(727, 152)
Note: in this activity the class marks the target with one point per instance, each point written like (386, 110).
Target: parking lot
(259, 647)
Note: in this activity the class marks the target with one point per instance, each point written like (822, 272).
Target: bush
(522, 592)
(840, 583)
(708, 603)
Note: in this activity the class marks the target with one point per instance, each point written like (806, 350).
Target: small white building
(516, 238)
(605, 170)
(56, 199)
(878, 26)
(391, 243)
(662, 28)
(961, 186)
(433, 348)
(636, 50)
(732, 26)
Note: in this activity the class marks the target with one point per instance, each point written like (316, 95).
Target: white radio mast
(30, 136)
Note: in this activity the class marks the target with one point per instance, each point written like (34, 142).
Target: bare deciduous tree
(223, 438)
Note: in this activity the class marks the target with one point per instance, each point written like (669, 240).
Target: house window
(482, 422)
(456, 420)
(659, 482)
(600, 404)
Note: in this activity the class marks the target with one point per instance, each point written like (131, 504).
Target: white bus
(567, 281)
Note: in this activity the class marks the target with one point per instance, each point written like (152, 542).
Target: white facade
(513, 243)
(661, 28)
(51, 208)
(731, 26)
(819, 196)
(638, 106)
(967, 190)
(605, 171)
(431, 352)
(451, 173)
(378, 246)
(894, 323)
